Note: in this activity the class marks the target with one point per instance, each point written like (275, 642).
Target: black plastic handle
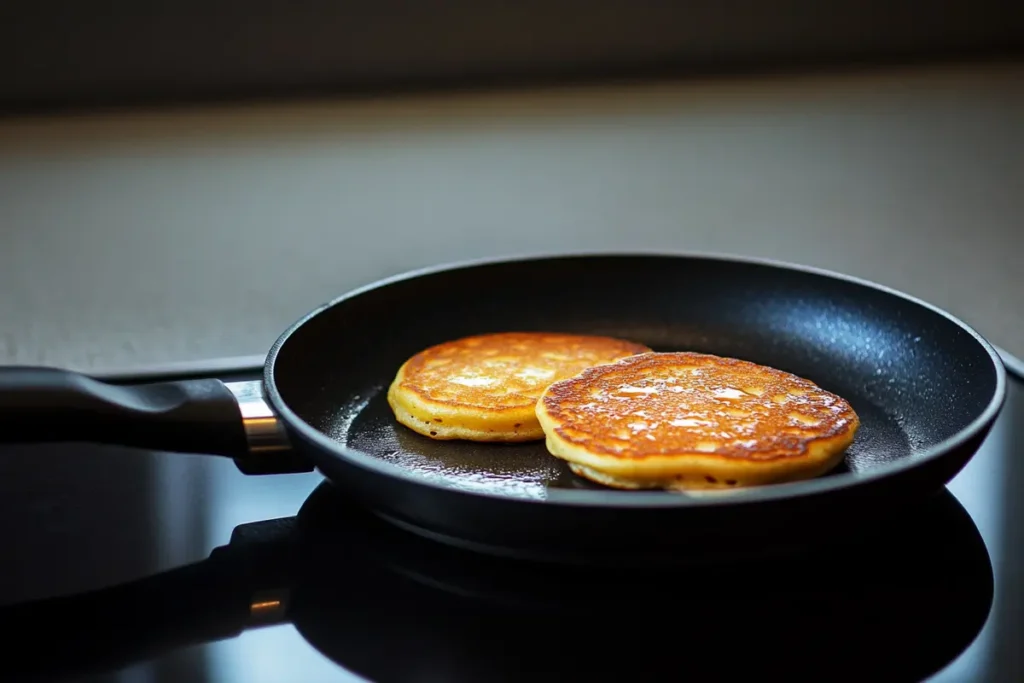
(51, 405)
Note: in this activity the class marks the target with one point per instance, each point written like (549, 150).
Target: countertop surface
(174, 567)
(148, 237)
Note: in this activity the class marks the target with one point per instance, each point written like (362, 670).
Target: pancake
(485, 387)
(691, 421)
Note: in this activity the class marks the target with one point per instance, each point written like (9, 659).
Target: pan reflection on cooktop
(898, 602)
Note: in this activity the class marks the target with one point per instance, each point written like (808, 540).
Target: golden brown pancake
(485, 387)
(694, 421)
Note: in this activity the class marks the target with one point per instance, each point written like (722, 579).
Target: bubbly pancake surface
(485, 387)
(694, 421)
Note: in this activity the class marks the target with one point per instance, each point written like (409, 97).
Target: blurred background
(180, 181)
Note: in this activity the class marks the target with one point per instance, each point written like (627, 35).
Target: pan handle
(40, 404)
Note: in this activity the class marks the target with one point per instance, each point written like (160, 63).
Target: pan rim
(612, 498)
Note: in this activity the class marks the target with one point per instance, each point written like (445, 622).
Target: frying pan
(926, 387)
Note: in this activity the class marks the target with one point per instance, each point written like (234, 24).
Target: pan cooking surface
(914, 376)
(367, 424)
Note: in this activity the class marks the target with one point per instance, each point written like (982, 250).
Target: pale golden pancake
(485, 387)
(694, 421)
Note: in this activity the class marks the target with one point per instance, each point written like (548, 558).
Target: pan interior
(914, 377)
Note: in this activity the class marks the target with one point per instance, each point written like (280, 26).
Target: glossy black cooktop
(126, 566)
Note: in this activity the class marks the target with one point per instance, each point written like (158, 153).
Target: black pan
(926, 386)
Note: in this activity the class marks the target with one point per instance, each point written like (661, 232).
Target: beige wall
(132, 239)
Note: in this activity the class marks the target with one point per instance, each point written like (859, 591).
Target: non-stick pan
(926, 387)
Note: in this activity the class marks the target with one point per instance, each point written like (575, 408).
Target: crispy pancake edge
(686, 473)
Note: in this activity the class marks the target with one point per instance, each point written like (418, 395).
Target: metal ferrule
(263, 431)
